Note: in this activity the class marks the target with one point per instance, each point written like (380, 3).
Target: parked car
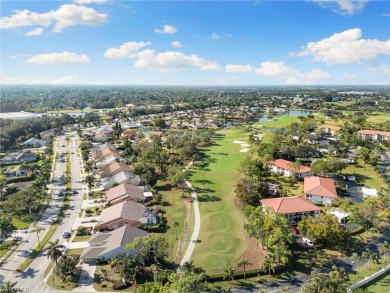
(307, 241)
(61, 193)
(66, 235)
(351, 178)
(75, 192)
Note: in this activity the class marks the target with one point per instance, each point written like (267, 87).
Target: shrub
(119, 286)
(98, 262)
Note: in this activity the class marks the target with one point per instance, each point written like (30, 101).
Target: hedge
(240, 275)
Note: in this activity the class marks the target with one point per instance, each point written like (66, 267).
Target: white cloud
(11, 80)
(58, 58)
(64, 79)
(238, 68)
(345, 47)
(167, 29)
(349, 75)
(82, 2)
(221, 81)
(170, 61)
(129, 50)
(288, 74)
(215, 36)
(386, 14)
(380, 68)
(65, 16)
(346, 7)
(35, 32)
(176, 44)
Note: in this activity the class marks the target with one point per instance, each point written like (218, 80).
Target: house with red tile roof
(319, 189)
(294, 208)
(373, 135)
(329, 129)
(286, 168)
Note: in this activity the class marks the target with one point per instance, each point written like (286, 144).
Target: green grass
(6, 246)
(378, 118)
(280, 122)
(221, 235)
(75, 251)
(20, 224)
(366, 176)
(81, 238)
(363, 271)
(173, 206)
(380, 285)
(56, 282)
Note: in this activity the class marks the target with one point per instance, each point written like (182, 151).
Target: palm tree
(54, 250)
(243, 263)
(89, 179)
(189, 266)
(384, 249)
(229, 274)
(356, 258)
(8, 287)
(88, 167)
(175, 225)
(370, 256)
(6, 226)
(268, 264)
(338, 275)
(36, 228)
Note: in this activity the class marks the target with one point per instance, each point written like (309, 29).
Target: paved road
(195, 233)
(32, 278)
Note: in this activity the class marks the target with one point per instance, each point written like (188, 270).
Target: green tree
(369, 255)
(6, 226)
(37, 228)
(356, 258)
(244, 263)
(364, 153)
(176, 225)
(89, 179)
(268, 264)
(66, 266)
(229, 274)
(384, 249)
(9, 287)
(54, 250)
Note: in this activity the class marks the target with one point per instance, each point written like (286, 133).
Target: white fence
(369, 279)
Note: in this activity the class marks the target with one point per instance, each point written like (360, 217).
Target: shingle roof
(289, 205)
(320, 186)
(135, 192)
(127, 210)
(115, 167)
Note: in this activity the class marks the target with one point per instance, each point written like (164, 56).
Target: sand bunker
(244, 150)
(239, 141)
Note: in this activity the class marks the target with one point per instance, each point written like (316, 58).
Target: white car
(307, 241)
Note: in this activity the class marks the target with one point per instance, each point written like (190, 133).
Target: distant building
(285, 168)
(34, 142)
(19, 157)
(329, 129)
(373, 135)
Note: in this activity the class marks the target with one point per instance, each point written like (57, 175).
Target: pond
(290, 113)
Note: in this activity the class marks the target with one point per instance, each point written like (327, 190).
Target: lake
(290, 113)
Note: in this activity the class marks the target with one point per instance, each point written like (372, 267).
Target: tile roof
(289, 205)
(374, 132)
(284, 164)
(320, 186)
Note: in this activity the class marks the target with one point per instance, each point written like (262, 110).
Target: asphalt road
(31, 280)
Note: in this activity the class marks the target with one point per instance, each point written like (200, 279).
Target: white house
(319, 189)
(285, 168)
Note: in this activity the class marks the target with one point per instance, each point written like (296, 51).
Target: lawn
(75, 251)
(280, 122)
(380, 285)
(81, 238)
(20, 224)
(368, 177)
(221, 238)
(57, 283)
(365, 272)
(6, 246)
(174, 210)
(378, 118)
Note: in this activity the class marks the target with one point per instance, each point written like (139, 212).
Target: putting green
(216, 262)
(219, 222)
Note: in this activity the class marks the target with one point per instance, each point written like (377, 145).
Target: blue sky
(318, 42)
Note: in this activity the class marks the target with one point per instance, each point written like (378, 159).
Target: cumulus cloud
(238, 68)
(129, 50)
(171, 61)
(167, 29)
(65, 16)
(346, 7)
(380, 68)
(176, 44)
(345, 47)
(288, 74)
(11, 80)
(82, 2)
(58, 58)
(64, 79)
(35, 32)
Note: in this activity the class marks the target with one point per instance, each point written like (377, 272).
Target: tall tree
(244, 263)
(229, 274)
(369, 255)
(9, 287)
(37, 228)
(54, 250)
(6, 226)
(384, 249)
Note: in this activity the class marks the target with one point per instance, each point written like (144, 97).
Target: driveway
(86, 278)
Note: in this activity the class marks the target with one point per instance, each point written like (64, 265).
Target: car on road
(61, 193)
(66, 235)
(307, 241)
(75, 192)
